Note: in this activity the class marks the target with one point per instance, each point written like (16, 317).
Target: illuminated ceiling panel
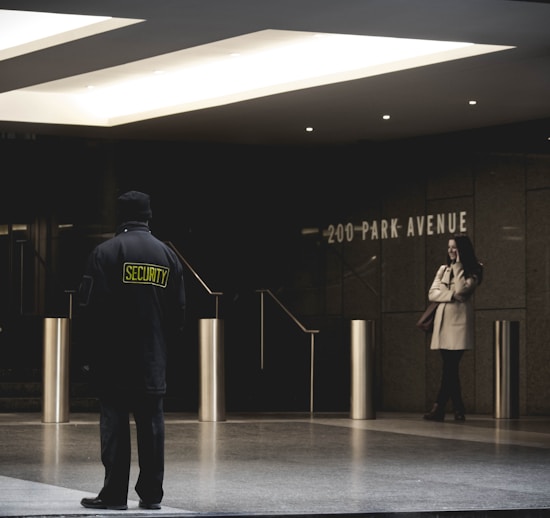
(254, 65)
(22, 32)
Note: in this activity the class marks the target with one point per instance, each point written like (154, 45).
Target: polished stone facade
(507, 201)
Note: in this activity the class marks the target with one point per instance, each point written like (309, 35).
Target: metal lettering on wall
(392, 228)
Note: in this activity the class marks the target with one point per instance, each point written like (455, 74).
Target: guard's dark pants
(116, 446)
(450, 380)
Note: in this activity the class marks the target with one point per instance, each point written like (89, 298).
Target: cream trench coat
(454, 317)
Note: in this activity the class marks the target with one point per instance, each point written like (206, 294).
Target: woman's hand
(457, 298)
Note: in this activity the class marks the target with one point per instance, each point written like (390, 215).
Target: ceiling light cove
(255, 65)
(22, 32)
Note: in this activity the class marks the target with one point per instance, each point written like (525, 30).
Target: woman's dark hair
(472, 266)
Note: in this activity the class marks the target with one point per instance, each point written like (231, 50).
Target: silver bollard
(506, 369)
(212, 372)
(55, 398)
(362, 369)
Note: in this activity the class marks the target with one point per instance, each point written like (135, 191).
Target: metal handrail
(217, 294)
(42, 262)
(311, 332)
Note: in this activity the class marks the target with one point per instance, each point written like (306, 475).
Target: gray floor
(292, 464)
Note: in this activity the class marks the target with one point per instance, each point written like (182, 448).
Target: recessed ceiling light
(472, 103)
(386, 117)
(270, 62)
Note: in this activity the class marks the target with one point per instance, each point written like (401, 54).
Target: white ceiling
(512, 86)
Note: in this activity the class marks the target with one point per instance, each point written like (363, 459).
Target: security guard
(132, 302)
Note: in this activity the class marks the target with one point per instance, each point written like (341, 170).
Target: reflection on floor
(292, 464)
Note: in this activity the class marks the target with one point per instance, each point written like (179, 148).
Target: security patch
(143, 273)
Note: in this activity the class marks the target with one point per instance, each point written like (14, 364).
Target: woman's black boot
(435, 414)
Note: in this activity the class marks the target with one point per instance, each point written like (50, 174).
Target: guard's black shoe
(149, 505)
(435, 414)
(459, 416)
(97, 503)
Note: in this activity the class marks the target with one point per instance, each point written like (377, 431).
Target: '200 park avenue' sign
(428, 225)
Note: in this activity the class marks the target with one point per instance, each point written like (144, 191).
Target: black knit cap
(134, 206)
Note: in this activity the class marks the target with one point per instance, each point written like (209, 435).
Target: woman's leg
(450, 381)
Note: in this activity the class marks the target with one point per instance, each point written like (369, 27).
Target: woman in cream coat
(453, 333)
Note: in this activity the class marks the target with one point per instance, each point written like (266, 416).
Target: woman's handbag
(426, 321)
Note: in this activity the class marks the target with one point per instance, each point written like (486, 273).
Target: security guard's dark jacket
(132, 300)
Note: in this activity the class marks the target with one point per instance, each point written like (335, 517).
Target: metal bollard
(212, 372)
(55, 399)
(362, 369)
(506, 369)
